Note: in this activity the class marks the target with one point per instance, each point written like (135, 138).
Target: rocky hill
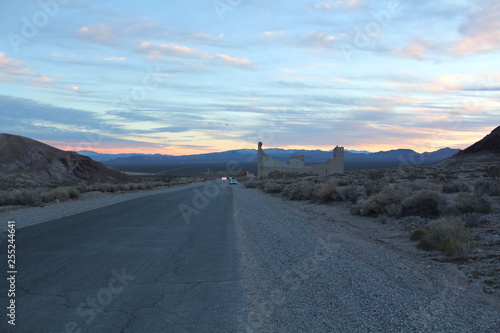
(27, 162)
(490, 144)
(486, 152)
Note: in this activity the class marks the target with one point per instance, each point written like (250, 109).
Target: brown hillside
(489, 144)
(25, 161)
(486, 152)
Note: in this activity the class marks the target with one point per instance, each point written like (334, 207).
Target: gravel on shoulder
(320, 269)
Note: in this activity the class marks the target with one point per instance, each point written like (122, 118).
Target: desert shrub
(444, 176)
(412, 173)
(492, 171)
(448, 235)
(82, 187)
(393, 209)
(272, 187)
(491, 187)
(303, 190)
(417, 235)
(141, 187)
(455, 187)
(425, 203)
(469, 203)
(343, 182)
(61, 194)
(124, 187)
(391, 196)
(73, 192)
(473, 219)
(168, 178)
(374, 187)
(354, 193)
(21, 197)
(252, 183)
(327, 191)
(47, 196)
(376, 174)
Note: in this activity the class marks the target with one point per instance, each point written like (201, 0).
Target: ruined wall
(335, 165)
(268, 164)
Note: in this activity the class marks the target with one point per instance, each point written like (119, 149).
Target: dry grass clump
(473, 220)
(303, 190)
(339, 190)
(384, 203)
(353, 193)
(38, 196)
(455, 187)
(491, 171)
(373, 186)
(449, 235)
(254, 183)
(488, 187)
(328, 191)
(470, 203)
(425, 203)
(271, 187)
(398, 200)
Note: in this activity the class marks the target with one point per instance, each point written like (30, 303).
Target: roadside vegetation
(37, 196)
(445, 209)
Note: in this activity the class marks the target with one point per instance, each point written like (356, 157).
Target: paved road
(230, 260)
(136, 266)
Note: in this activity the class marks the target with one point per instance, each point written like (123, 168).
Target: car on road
(233, 182)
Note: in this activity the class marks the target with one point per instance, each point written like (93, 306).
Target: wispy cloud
(99, 33)
(480, 31)
(416, 49)
(336, 4)
(15, 70)
(12, 66)
(75, 89)
(115, 59)
(157, 50)
(43, 79)
(243, 63)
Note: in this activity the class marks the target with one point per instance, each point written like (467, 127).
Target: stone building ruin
(268, 164)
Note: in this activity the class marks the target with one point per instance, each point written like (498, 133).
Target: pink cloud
(238, 62)
(480, 32)
(157, 50)
(12, 66)
(330, 4)
(73, 89)
(99, 33)
(207, 37)
(319, 40)
(43, 79)
(417, 49)
(115, 59)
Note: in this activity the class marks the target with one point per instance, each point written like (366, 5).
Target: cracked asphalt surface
(244, 262)
(136, 266)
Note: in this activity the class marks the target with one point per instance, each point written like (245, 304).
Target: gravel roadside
(27, 216)
(318, 269)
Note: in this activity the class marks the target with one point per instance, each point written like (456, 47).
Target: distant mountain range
(353, 159)
(27, 162)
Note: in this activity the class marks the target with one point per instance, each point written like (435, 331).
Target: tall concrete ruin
(268, 164)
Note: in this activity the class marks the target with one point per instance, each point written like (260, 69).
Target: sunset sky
(197, 76)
